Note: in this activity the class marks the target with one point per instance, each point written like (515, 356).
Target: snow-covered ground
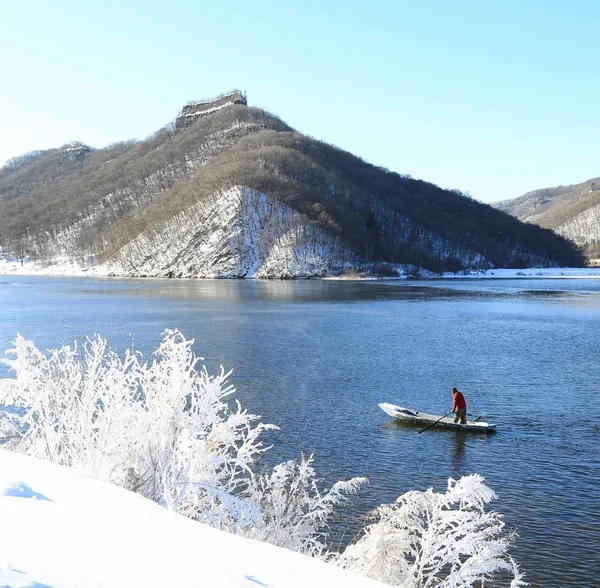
(30, 268)
(62, 529)
(66, 268)
(532, 272)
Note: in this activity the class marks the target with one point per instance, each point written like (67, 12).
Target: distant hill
(229, 190)
(572, 211)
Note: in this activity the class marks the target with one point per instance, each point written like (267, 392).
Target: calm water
(316, 357)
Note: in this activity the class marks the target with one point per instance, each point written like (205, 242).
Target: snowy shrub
(8, 426)
(163, 429)
(160, 428)
(426, 539)
(295, 511)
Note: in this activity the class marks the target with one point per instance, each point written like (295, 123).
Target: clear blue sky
(495, 98)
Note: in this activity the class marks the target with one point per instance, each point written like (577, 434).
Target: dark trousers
(461, 414)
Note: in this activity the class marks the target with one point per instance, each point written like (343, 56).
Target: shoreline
(67, 270)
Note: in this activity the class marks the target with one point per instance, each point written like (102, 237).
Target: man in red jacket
(459, 406)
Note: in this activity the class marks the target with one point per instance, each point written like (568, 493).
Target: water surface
(315, 358)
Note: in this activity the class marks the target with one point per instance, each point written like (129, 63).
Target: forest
(88, 204)
(572, 211)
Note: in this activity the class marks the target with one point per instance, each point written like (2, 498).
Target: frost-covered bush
(163, 429)
(428, 539)
(295, 511)
(8, 428)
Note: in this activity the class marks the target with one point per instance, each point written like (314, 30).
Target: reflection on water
(458, 449)
(316, 357)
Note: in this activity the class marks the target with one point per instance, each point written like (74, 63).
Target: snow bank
(62, 529)
(532, 272)
(31, 268)
(65, 267)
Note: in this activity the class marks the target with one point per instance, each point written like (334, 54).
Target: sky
(491, 98)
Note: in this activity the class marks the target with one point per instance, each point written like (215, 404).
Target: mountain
(229, 190)
(571, 211)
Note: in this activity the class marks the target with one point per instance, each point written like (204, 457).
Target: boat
(408, 415)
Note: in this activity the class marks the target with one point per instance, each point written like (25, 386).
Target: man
(459, 406)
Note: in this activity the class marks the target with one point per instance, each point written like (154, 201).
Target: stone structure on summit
(191, 112)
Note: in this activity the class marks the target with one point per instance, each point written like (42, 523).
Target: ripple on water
(315, 358)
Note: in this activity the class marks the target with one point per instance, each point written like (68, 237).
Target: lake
(315, 358)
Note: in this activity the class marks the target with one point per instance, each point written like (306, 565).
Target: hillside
(571, 211)
(230, 190)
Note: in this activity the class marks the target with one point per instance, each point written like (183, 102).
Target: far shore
(15, 268)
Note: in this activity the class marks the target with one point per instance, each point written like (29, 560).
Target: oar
(432, 424)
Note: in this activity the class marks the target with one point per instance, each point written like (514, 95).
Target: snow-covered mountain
(571, 211)
(232, 191)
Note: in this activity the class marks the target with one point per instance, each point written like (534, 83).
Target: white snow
(63, 529)
(583, 228)
(31, 268)
(207, 111)
(532, 272)
(65, 267)
(238, 232)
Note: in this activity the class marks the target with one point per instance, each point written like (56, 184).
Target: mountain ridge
(572, 211)
(91, 205)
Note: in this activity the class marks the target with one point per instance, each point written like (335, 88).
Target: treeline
(106, 197)
(571, 211)
(381, 215)
(554, 207)
(61, 187)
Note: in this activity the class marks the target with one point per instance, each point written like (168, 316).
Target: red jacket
(459, 401)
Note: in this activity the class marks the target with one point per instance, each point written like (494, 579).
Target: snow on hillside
(74, 239)
(64, 267)
(531, 272)
(237, 233)
(241, 233)
(583, 228)
(62, 529)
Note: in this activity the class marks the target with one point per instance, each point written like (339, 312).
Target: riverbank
(69, 269)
